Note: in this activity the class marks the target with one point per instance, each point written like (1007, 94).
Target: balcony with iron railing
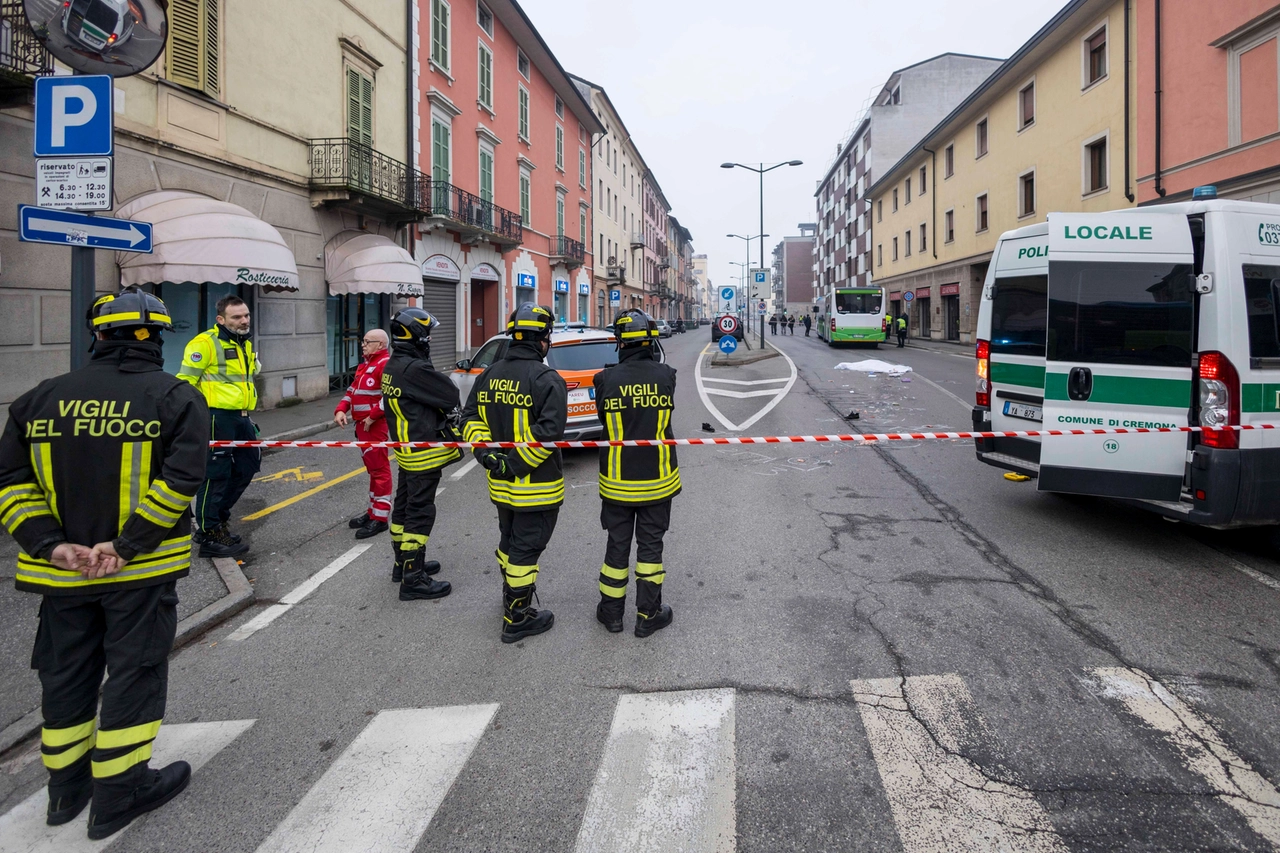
(567, 251)
(22, 56)
(477, 219)
(346, 171)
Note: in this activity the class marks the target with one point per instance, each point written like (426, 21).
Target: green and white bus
(851, 315)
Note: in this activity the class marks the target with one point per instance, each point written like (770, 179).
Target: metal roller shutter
(440, 299)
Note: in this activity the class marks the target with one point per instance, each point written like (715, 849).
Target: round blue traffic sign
(727, 293)
(728, 344)
(908, 296)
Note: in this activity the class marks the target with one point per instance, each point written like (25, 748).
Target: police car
(578, 352)
(1153, 317)
(98, 24)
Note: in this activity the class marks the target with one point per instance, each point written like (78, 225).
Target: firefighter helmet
(413, 326)
(131, 313)
(635, 327)
(530, 322)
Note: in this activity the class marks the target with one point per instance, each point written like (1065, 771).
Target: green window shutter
(523, 124)
(366, 110)
(486, 176)
(440, 33)
(185, 43)
(560, 216)
(524, 199)
(353, 105)
(211, 54)
(486, 77)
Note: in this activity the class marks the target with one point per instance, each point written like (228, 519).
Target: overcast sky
(699, 82)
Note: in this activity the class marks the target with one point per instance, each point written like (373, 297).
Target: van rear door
(1018, 304)
(1118, 353)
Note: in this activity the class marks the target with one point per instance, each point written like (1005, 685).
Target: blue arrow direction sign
(66, 228)
(727, 293)
(728, 344)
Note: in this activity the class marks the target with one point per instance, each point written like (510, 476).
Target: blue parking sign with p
(74, 116)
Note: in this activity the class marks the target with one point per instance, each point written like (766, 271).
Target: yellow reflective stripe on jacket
(135, 470)
(42, 463)
(67, 736)
(614, 421)
(116, 738)
(525, 494)
(533, 456)
(640, 491)
(173, 555)
(20, 503)
(424, 459)
(477, 430)
(116, 766)
(664, 451)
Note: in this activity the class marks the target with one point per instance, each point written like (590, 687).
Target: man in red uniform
(363, 404)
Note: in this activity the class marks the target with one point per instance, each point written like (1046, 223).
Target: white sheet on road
(383, 790)
(23, 829)
(874, 365)
(667, 780)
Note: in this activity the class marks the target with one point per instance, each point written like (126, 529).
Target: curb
(239, 596)
(729, 361)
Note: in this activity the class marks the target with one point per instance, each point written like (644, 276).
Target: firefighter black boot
(160, 786)
(520, 618)
(609, 613)
(430, 567)
(651, 614)
(415, 583)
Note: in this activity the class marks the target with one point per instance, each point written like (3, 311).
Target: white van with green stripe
(1154, 317)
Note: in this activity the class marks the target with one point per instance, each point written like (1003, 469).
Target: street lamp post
(746, 269)
(761, 171)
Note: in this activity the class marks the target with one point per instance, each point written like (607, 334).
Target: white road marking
(967, 406)
(299, 592)
(23, 829)
(741, 395)
(1260, 577)
(382, 792)
(940, 800)
(667, 780)
(462, 472)
(705, 393)
(1202, 749)
(745, 381)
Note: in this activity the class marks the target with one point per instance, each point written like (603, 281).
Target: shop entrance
(193, 308)
(923, 317)
(348, 317)
(484, 312)
(951, 317)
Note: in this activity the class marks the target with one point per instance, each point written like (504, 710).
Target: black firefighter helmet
(132, 314)
(634, 328)
(530, 322)
(413, 327)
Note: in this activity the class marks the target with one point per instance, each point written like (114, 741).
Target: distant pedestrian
(808, 324)
(791, 324)
(902, 332)
(773, 323)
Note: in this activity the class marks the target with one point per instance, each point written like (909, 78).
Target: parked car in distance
(717, 333)
(664, 329)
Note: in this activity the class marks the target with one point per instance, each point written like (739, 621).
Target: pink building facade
(1217, 119)
(504, 138)
(656, 254)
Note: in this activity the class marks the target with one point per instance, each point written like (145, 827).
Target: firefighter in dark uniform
(520, 398)
(98, 468)
(634, 400)
(417, 399)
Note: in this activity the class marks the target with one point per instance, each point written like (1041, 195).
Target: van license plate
(581, 395)
(1022, 410)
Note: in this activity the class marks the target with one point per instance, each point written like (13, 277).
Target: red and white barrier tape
(857, 438)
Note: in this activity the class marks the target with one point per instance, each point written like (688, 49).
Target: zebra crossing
(667, 773)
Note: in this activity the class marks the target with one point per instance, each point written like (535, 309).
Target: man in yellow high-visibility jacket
(222, 365)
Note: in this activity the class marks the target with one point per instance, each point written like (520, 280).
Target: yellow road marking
(296, 474)
(308, 493)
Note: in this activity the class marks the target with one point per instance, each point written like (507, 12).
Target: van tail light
(1219, 388)
(571, 385)
(983, 353)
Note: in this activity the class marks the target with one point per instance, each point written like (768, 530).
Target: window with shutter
(440, 33)
(193, 55)
(360, 127)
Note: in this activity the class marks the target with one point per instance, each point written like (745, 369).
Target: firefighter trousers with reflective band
(127, 634)
(524, 536)
(230, 469)
(648, 524)
(414, 514)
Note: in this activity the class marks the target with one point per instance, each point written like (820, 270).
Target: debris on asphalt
(1015, 477)
(706, 427)
(853, 416)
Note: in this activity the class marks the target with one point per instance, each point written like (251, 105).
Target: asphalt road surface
(874, 648)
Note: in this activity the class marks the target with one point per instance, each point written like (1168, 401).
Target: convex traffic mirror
(115, 37)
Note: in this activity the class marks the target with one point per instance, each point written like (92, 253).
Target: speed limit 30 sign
(728, 325)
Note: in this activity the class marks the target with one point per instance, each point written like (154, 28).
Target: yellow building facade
(1052, 129)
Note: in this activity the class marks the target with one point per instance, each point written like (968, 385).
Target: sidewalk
(297, 422)
(935, 345)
